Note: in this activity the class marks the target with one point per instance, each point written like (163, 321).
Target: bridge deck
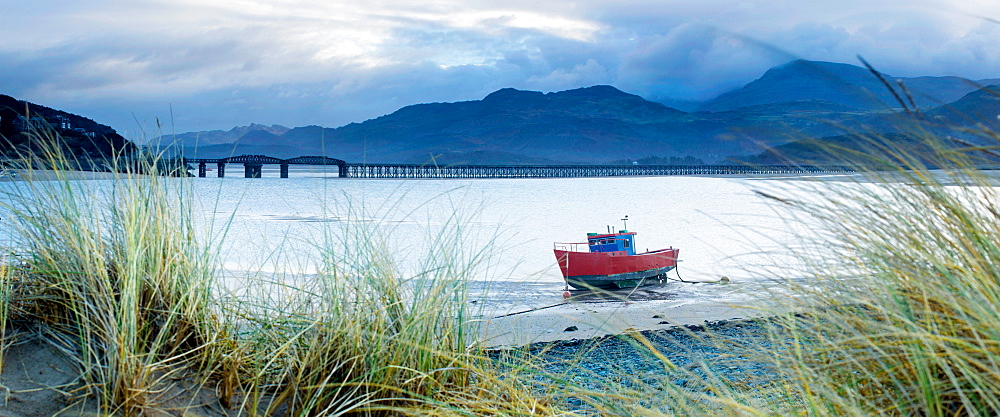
(569, 171)
(253, 163)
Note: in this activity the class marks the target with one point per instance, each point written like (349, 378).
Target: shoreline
(575, 320)
(54, 175)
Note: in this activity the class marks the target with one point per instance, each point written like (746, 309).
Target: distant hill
(844, 84)
(788, 105)
(22, 123)
(871, 150)
(602, 124)
(828, 150)
(588, 125)
(256, 133)
(954, 124)
(479, 158)
(980, 106)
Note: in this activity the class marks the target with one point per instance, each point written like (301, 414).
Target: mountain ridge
(602, 123)
(844, 84)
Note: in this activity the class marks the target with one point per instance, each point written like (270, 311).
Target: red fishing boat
(610, 262)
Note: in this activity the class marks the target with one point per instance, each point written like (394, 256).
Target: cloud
(692, 61)
(294, 62)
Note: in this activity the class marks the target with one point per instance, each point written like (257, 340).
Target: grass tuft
(117, 274)
(909, 265)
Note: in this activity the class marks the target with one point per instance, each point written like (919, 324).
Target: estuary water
(721, 225)
(275, 225)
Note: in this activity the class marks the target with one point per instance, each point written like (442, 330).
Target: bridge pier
(201, 170)
(252, 170)
(222, 169)
(284, 170)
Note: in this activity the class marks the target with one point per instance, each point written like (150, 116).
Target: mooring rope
(626, 299)
(534, 309)
(564, 303)
(677, 270)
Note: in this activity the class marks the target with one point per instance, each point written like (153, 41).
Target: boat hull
(615, 270)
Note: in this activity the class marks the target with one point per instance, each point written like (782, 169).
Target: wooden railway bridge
(252, 164)
(569, 171)
(252, 169)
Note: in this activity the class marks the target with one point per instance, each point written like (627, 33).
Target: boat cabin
(612, 242)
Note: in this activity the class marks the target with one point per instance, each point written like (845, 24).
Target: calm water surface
(277, 225)
(721, 226)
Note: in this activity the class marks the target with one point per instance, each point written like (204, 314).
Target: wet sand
(589, 320)
(542, 315)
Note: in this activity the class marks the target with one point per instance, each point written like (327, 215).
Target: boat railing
(569, 246)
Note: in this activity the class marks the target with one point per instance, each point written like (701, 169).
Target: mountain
(23, 123)
(960, 123)
(833, 150)
(980, 106)
(478, 158)
(592, 124)
(587, 125)
(600, 124)
(216, 137)
(844, 84)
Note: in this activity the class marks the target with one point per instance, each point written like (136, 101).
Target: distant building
(59, 123)
(26, 124)
(85, 132)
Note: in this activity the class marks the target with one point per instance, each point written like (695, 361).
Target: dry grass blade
(918, 330)
(117, 267)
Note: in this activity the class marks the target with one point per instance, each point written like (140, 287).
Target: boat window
(604, 241)
(612, 240)
(627, 243)
(593, 242)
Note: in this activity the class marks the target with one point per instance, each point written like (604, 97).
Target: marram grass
(909, 262)
(6, 296)
(118, 276)
(365, 337)
(905, 262)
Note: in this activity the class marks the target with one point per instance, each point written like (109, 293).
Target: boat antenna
(625, 222)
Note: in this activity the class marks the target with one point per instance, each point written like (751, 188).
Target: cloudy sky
(214, 64)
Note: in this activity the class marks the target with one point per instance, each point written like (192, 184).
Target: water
(721, 226)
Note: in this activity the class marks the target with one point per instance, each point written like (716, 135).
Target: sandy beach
(533, 313)
(37, 375)
(586, 320)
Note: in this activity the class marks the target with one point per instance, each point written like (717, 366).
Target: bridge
(253, 163)
(571, 171)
